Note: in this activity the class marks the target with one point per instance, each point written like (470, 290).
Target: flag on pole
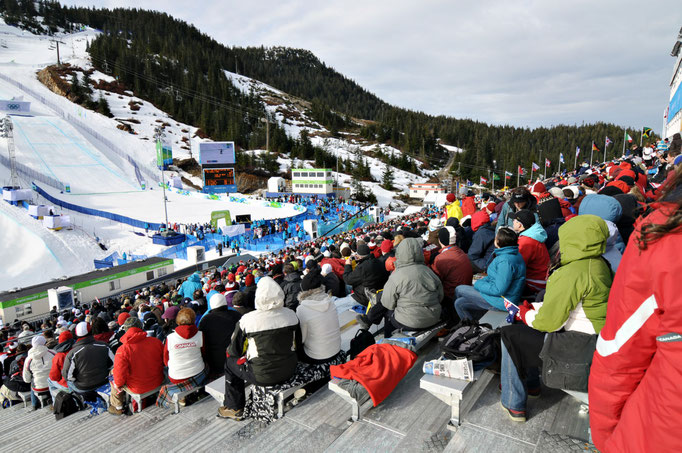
(520, 170)
(561, 157)
(629, 138)
(646, 132)
(595, 147)
(508, 174)
(535, 167)
(608, 141)
(496, 177)
(547, 163)
(577, 151)
(469, 183)
(484, 181)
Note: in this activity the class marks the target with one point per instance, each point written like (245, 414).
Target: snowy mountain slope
(290, 113)
(54, 147)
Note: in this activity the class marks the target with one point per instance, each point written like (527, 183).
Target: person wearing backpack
(574, 302)
(506, 278)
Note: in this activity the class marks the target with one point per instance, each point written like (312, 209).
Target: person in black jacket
(263, 348)
(87, 365)
(217, 326)
(331, 282)
(291, 285)
(482, 244)
(368, 274)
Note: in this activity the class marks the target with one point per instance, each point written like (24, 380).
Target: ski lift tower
(56, 43)
(7, 131)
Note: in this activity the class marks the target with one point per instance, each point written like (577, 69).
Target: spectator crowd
(591, 253)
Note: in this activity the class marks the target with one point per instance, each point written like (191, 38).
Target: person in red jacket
(532, 248)
(138, 364)
(469, 204)
(55, 381)
(453, 268)
(635, 390)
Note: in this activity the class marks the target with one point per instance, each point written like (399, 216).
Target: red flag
(547, 163)
(484, 181)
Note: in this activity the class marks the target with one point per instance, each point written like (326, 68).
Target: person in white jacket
(319, 320)
(37, 368)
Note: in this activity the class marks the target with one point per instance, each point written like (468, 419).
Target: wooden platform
(410, 420)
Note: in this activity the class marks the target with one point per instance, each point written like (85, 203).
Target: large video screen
(211, 153)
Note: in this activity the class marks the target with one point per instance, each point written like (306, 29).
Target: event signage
(12, 106)
(164, 155)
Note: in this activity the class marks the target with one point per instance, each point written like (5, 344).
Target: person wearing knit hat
(531, 241)
(369, 273)
(217, 327)
(122, 318)
(453, 267)
(538, 188)
(386, 246)
(320, 332)
(557, 192)
(523, 219)
(138, 366)
(363, 250)
(87, 365)
(331, 281)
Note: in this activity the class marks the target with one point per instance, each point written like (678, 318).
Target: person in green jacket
(575, 301)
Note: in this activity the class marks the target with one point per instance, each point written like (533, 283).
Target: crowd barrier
(31, 174)
(96, 212)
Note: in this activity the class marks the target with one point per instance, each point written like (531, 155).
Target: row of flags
(646, 132)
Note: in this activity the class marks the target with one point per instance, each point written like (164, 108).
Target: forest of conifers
(179, 69)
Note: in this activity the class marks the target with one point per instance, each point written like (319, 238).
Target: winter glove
(523, 309)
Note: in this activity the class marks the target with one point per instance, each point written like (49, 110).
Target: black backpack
(471, 340)
(363, 339)
(66, 404)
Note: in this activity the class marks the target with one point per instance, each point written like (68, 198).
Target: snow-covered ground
(76, 153)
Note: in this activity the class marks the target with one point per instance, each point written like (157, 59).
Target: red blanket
(378, 368)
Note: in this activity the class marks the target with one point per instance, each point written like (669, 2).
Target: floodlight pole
(158, 134)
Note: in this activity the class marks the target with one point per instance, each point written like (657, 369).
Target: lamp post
(158, 135)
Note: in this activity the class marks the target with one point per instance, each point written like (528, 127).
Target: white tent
(276, 184)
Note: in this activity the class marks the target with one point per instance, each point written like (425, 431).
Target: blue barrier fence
(97, 212)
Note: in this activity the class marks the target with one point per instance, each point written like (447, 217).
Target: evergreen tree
(387, 178)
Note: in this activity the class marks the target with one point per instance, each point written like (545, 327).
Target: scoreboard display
(219, 180)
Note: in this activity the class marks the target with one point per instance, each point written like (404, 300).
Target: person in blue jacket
(192, 284)
(506, 278)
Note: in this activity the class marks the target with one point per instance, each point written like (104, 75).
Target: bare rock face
(52, 80)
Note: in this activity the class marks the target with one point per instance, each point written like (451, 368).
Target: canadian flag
(484, 181)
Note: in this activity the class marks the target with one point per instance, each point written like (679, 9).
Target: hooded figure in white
(268, 336)
(319, 318)
(38, 364)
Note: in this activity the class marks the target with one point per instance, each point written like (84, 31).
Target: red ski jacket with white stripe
(635, 390)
